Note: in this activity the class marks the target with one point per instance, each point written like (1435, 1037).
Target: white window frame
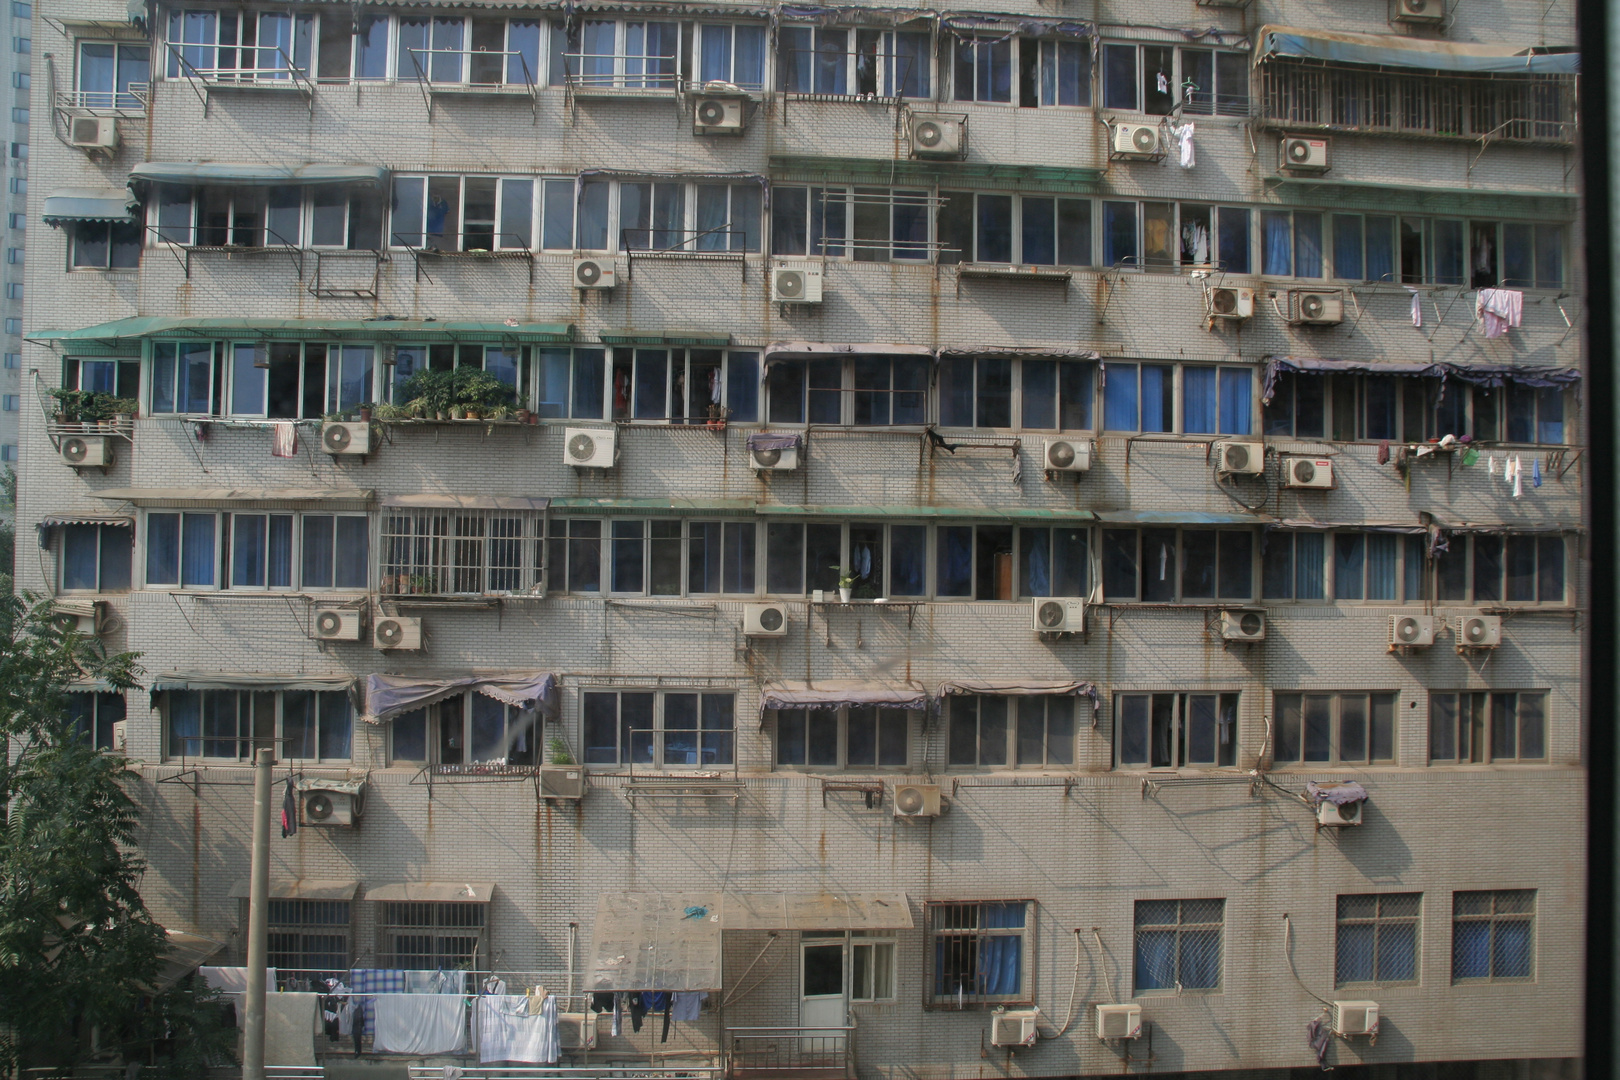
(702, 27)
(1180, 722)
(252, 740)
(1300, 699)
(658, 732)
(886, 55)
(841, 741)
(224, 551)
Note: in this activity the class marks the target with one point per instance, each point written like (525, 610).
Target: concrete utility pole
(258, 920)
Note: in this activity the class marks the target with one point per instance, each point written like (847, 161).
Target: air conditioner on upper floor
(93, 132)
(1301, 154)
(1317, 308)
(1332, 815)
(1068, 455)
(774, 460)
(917, 800)
(1231, 303)
(1242, 458)
(397, 632)
(120, 735)
(1355, 1018)
(1420, 11)
(1119, 1021)
(937, 136)
(337, 624)
(595, 273)
(1137, 141)
(796, 283)
(1304, 472)
(591, 448)
(342, 804)
(1059, 615)
(764, 620)
(719, 115)
(83, 616)
(1013, 1027)
(82, 451)
(1243, 626)
(1478, 631)
(1412, 631)
(346, 438)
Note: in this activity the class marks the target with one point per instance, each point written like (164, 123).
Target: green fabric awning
(695, 340)
(1381, 194)
(652, 506)
(1178, 517)
(974, 513)
(88, 204)
(411, 330)
(254, 174)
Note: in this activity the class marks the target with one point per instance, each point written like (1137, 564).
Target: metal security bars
(1493, 935)
(438, 552)
(1377, 938)
(430, 935)
(980, 953)
(1178, 944)
(310, 935)
(1510, 108)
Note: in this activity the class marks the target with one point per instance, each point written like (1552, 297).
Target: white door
(822, 1001)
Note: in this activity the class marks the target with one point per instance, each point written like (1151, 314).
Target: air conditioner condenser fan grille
(1145, 139)
(767, 457)
(1224, 302)
(1051, 614)
(328, 623)
(908, 800)
(1060, 454)
(1250, 623)
(581, 447)
(1237, 457)
(771, 618)
(588, 273)
(337, 437)
(1312, 307)
(711, 113)
(1304, 472)
(389, 632)
(75, 449)
(1407, 629)
(790, 284)
(929, 133)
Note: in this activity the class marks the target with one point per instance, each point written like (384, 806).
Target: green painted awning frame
(425, 331)
(888, 173)
(969, 513)
(727, 507)
(694, 340)
(1377, 195)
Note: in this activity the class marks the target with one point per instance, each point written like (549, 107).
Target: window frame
(1472, 733)
(337, 923)
(1179, 930)
(1377, 923)
(938, 912)
(122, 97)
(1227, 713)
(223, 552)
(1471, 570)
(724, 745)
(106, 536)
(94, 714)
(1526, 918)
(116, 237)
(970, 709)
(441, 733)
(447, 916)
(1177, 594)
(246, 704)
(1176, 94)
(1371, 699)
(842, 723)
(1083, 209)
(848, 72)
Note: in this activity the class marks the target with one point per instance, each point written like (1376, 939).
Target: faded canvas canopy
(1426, 54)
(388, 696)
(840, 694)
(1020, 687)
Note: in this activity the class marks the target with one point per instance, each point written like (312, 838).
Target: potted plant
(429, 392)
(846, 582)
(123, 410)
(479, 393)
(421, 584)
(522, 415)
(365, 412)
(72, 405)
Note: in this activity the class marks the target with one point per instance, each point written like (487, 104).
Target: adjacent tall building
(1033, 541)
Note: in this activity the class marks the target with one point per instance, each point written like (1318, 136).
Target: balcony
(790, 1053)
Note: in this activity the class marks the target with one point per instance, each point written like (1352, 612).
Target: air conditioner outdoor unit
(346, 438)
(719, 115)
(1304, 155)
(784, 459)
(1231, 303)
(120, 735)
(796, 283)
(1420, 11)
(1059, 615)
(1338, 815)
(1013, 1027)
(1119, 1021)
(562, 782)
(337, 624)
(1355, 1017)
(1136, 141)
(764, 620)
(1243, 626)
(1243, 458)
(595, 274)
(917, 800)
(1304, 472)
(1318, 308)
(590, 448)
(1479, 631)
(937, 136)
(1413, 631)
(340, 805)
(397, 632)
(93, 132)
(82, 450)
(82, 616)
(576, 1031)
(1068, 455)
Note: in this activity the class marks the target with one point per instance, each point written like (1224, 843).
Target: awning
(88, 204)
(1179, 517)
(50, 521)
(333, 498)
(1339, 794)
(951, 175)
(811, 350)
(587, 505)
(840, 694)
(1021, 688)
(1459, 525)
(988, 24)
(186, 952)
(247, 680)
(1423, 54)
(775, 440)
(415, 331)
(448, 892)
(655, 941)
(254, 174)
(693, 339)
(827, 15)
(300, 889)
(1310, 525)
(465, 502)
(1478, 374)
(816, 911)
(388, 696)
(903, 510)
(1056, 352)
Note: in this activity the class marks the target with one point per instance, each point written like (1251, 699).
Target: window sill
(1172, 992)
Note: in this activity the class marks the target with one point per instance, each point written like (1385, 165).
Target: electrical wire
(1074, 990)
(1288, 955)
(740, 991)
(1108, 972)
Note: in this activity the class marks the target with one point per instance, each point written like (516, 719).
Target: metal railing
(553, 1072)
(282, 71)
(487, 71)
(128, 102)
(195, 235)
(790, 1051)
(611, 72)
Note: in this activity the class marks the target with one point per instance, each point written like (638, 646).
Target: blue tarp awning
(1390, 50)
(88, 204)
(254, 174)
(1478, 374)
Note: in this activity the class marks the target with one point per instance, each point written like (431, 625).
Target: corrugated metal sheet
(413, 330)
(1424, 54)
(442, 892)
(902, 510)
(254, 174)
(248, 680)
(212, 496)
(816, 911)
(88, 204)
(655, 941)
(576, 505)
(301, 889)
(465, 502)
(1179, 517)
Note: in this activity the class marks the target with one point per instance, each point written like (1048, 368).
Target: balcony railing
(474, 71)
(262, 67)
(128, 102)
(790, 1053)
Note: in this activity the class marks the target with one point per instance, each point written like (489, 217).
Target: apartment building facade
(1187, 396)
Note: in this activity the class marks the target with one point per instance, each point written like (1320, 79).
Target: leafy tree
(78, 949)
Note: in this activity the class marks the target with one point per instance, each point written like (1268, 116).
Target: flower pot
(523, 416)
(473, 414)
(124, 418)
(365, 414)
(843, 595)
(441, 415)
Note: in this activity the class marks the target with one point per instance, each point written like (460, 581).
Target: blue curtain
(247, 550)
(163, 549)
(793, 59)
(1001, 958)
(185, 723)
(1155, 960)
(1511, 953)
(955, 560)
(197, 550)
(1347, 261)
(79, 546)
(1383, 567)
(1309, 551)
(1307, 245)
(1119, 233)
(353, 553)
(1237, 401)
(317, 551)
(1347, 566)
(1277, 247)
(1470, 950)
(1120, 398)
(1397, 953)
(1158, 390)
(908, 559)
(1198, 401)
(716, 54)
(279, 552)
(1380, 249)
(1200, 959)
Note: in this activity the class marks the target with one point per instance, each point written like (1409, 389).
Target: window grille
(431, 936)
(309, 936)
(438, 551)
(980, 954)
(1178, 944)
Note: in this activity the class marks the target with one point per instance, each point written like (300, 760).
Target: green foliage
(440, 391)
(92, 405)
(78, 949)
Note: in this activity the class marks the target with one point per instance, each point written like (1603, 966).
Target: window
(18, 185)
(1493, 935)
(21, 80)
(463, 213)
(468, 727)
(281, 380)
(1031, 230)
(1050, 71)
(22, 45)
(13, 360)
(607, 54)
(1377, 939)
(980, 953)
(1291, 243)
(993, 731)
(1178, 944)
(20, 10)
(680, 385)
(1165, 565)
(864, 391)
(1162, 236)
(259, 551)
(1343, 727)
(841, 61)
(1469, 728)
(96, 558)
(575, 560)
(1410, 409)
(438, 552)
(14, 256)
(93, 716)
(883, 225)
(663, 728)
(664, 215)
(309, 936)
(235, 46)
(1496, 568)
(1156, 78)
(8, 451)
(720, 557)
(733, 53)
(1042, 393)
(300, 725)
(13, 326)
(478, 51)
(8, 402)
(1375, 567)
(843, 738)
(1142, 397)
(1166, 731)
(100, 245)
(421, 935)
(978, 562)
(871, 970)
(318, 216)
(19, 151)
(19, 115)
(14, 290)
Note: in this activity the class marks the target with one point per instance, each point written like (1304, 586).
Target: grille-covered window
(431, 935)
(1378, 938)
(980, 953)
(1178, 944)
(439, 551)
(310, 937)
(1493, 935)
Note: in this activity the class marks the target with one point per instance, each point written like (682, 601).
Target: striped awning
(74, 204)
